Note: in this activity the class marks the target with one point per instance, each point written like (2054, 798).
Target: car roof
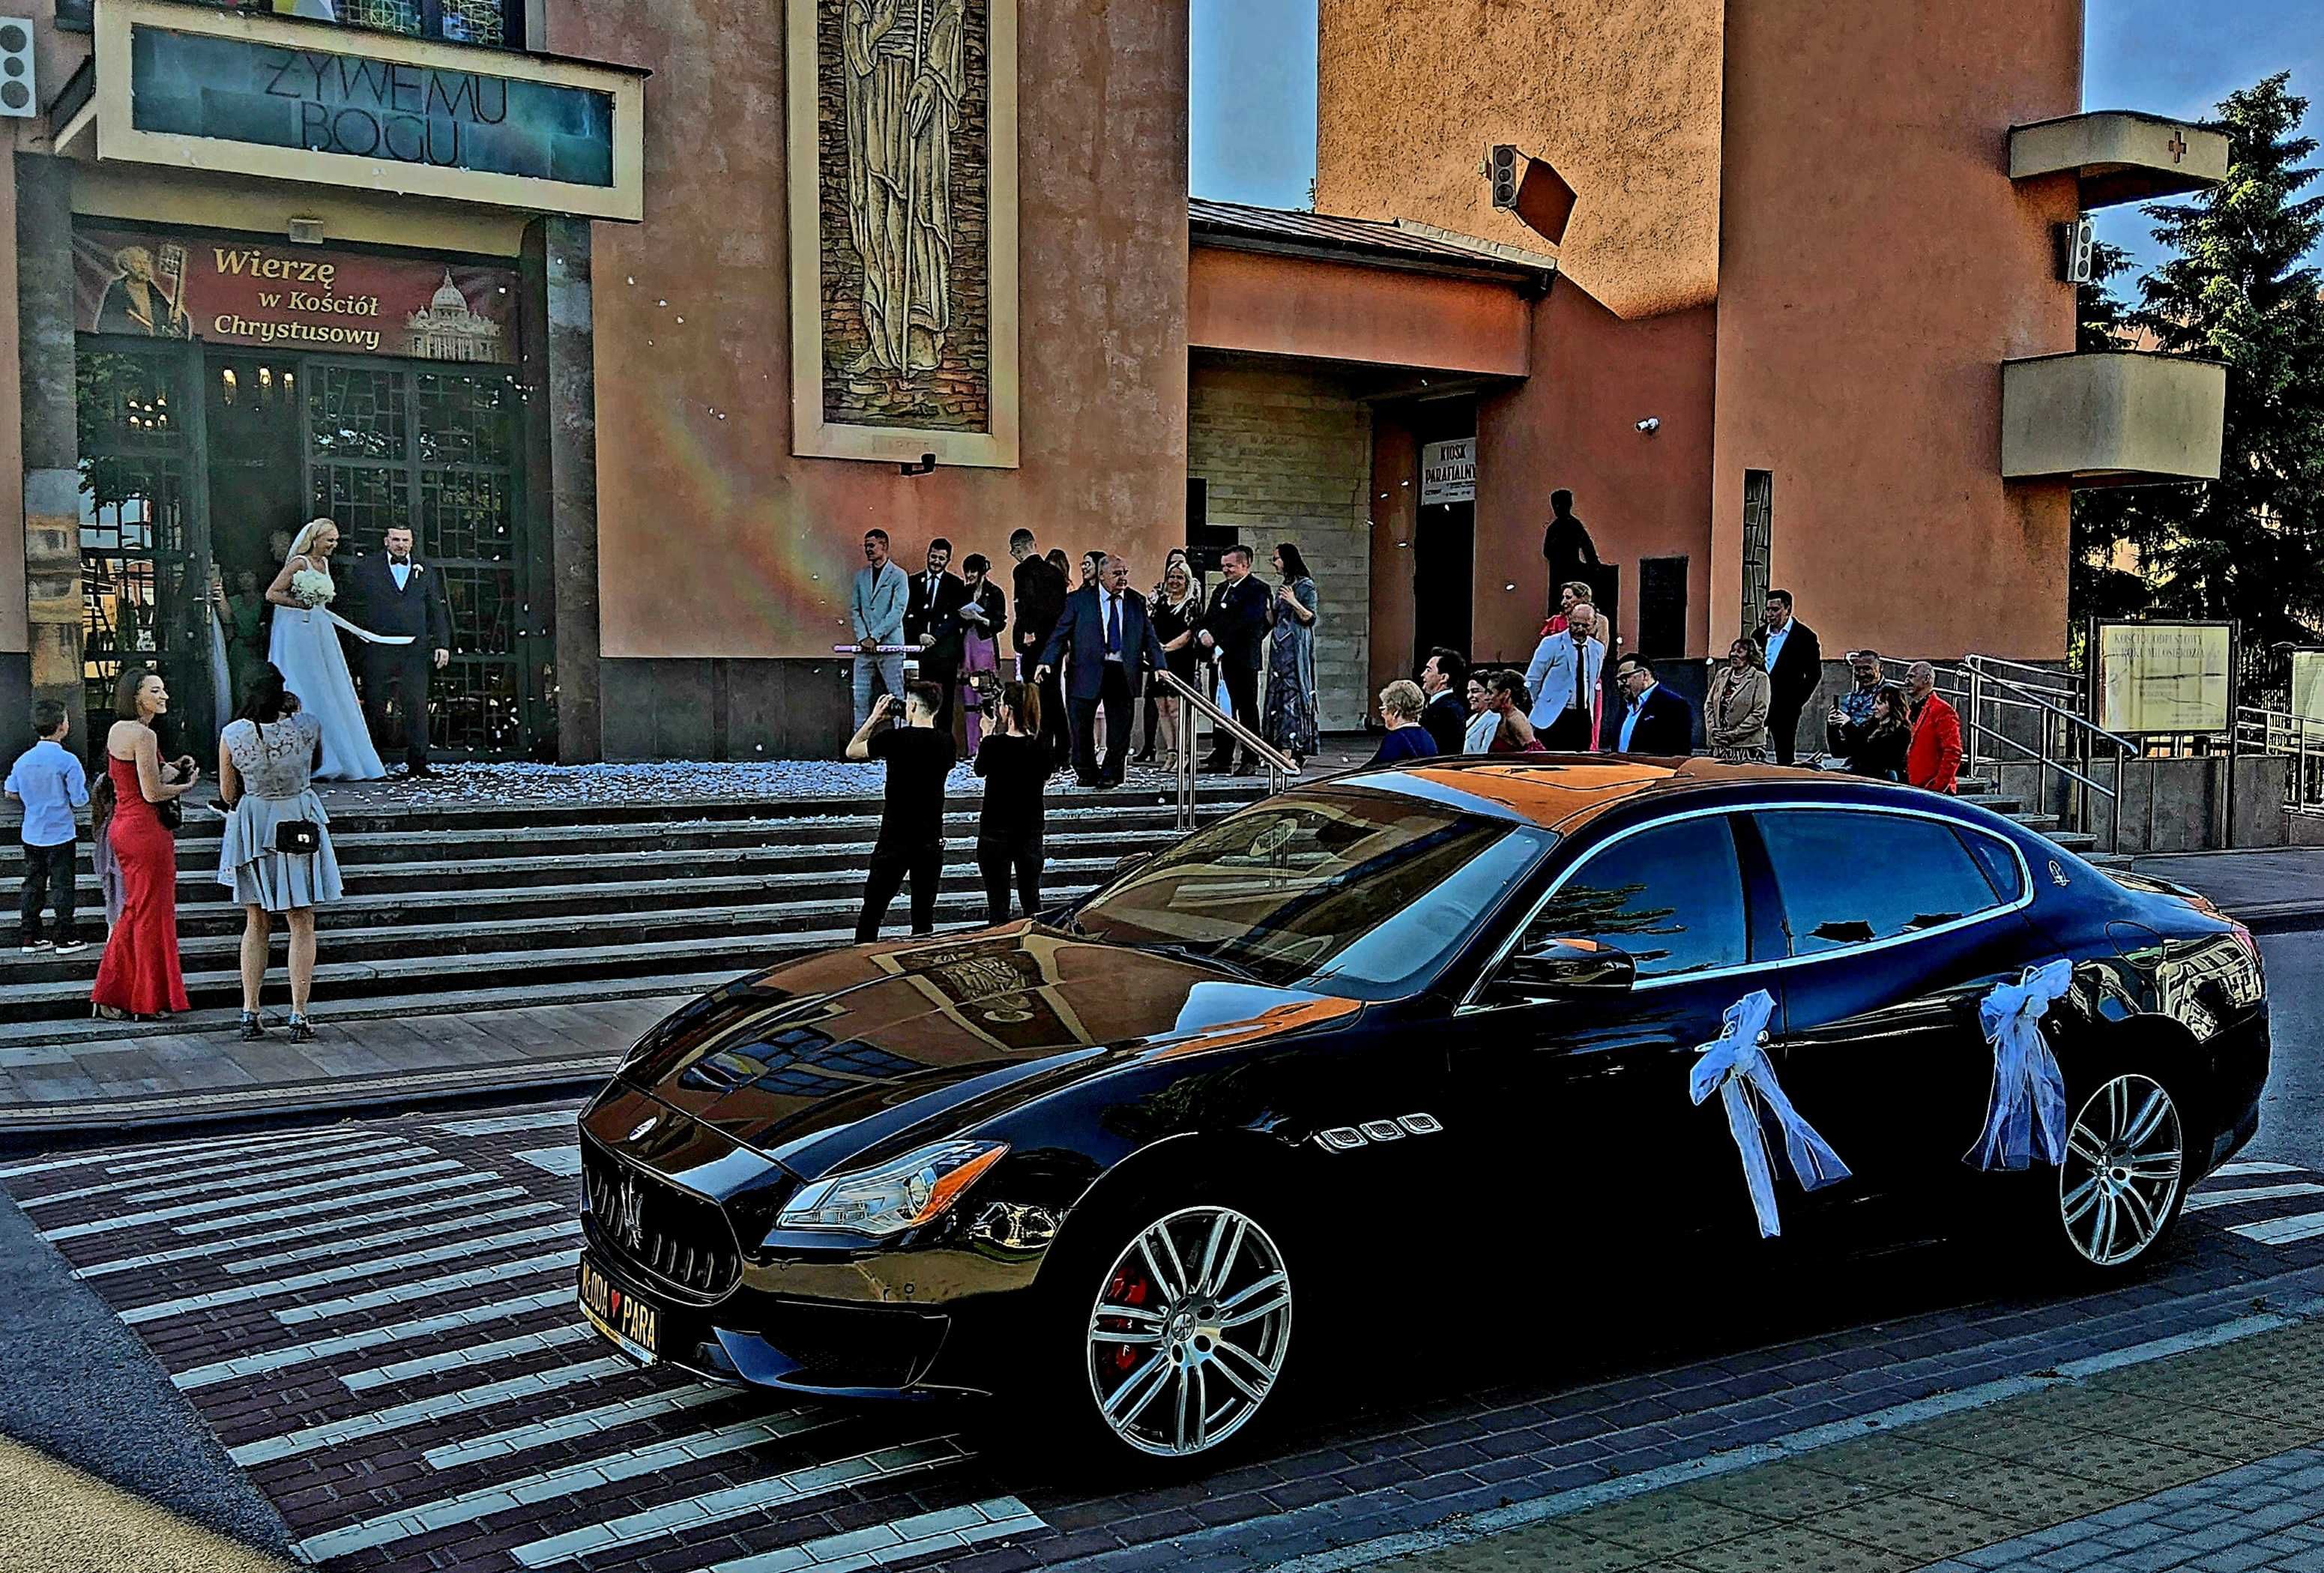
(1565, 793)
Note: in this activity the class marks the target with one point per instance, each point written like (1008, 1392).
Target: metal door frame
(533, 649)
(193, 701)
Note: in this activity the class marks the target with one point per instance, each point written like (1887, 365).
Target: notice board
(2165, 678)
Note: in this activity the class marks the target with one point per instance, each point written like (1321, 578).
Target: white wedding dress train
(305, 647)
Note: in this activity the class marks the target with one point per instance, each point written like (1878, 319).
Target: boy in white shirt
(51, 783)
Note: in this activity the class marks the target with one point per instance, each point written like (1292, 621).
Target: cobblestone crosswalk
(377, 1319)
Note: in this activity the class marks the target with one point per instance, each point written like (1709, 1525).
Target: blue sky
(1253, 133)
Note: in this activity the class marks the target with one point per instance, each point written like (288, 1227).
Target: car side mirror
(1562, 968)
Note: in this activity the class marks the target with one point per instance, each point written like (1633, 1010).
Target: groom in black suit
(394, 592)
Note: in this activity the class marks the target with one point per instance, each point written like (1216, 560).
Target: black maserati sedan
(1116, 1163)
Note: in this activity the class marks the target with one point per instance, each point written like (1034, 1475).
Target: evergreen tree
(2105, 518)
(2249, 546)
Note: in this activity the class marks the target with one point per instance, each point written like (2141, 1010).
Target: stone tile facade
(1287, 454)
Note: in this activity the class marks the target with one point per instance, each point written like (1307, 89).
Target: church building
(640, 312)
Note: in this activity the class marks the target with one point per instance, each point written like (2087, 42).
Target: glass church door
(145, 533)
(392, 443)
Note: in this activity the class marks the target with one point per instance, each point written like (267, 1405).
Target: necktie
(1581, 676)
(399, 562)
(1113, 625)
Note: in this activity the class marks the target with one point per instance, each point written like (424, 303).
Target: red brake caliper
(1127, 1289)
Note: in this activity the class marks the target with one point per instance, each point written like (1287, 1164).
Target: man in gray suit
(1564, 679)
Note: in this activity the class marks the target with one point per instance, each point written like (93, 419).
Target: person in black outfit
(394, 591)
(1040, 589)
(1794, 671)
(911, 825)
(1112, 646)
(1876, 745)
(1234, 628)
(928, 622)
(1567, 544)
(1177, 612)
(1444, 678)
(1014, 762)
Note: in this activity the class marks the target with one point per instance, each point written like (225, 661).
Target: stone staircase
(1986, 794)
(480, 908)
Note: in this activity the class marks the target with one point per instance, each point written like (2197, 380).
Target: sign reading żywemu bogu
(235, 291)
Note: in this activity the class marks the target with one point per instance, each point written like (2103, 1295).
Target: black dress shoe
(418, 773)
(1145, 757)
(1091, 783)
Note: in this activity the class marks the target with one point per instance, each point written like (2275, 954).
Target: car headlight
(901, 1194)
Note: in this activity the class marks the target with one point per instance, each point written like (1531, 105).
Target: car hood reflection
(876, 1042)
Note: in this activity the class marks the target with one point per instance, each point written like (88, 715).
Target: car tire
(2116, 1197)
(1166, 1334)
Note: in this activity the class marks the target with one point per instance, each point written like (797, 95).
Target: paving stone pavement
(2211, 1460)
(375, 1319)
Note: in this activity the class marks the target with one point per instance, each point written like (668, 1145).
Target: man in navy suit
(1113, 647)
(1655, 721)
(394, 591)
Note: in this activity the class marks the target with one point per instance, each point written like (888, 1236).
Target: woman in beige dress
(1735, 713)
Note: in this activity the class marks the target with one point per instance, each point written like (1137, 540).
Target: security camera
(1651, 424)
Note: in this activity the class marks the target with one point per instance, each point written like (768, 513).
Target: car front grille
(673, 1237)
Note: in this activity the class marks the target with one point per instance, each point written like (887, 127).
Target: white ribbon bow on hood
(2027, 1110)
(1736, 1068)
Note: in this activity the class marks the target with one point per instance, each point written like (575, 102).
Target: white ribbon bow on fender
(1736, 1068)
(2027, 1111)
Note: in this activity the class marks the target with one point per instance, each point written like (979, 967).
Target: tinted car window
(1366, 895)
(1850, 879)
(2000, 864)
(1672, 897)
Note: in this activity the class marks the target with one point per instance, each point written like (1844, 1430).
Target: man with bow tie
(395, 592)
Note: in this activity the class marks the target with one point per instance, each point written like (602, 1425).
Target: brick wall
(1287, 456)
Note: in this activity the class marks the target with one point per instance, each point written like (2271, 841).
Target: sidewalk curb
(64, 1126)
(2280, 916)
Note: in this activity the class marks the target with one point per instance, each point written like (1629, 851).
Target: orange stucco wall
(1575, 424)
(1622, 95)
(1878, 265)
(15, 632)
(1330, 311)
(714, 540)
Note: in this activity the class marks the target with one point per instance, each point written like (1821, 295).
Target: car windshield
(1362, 894)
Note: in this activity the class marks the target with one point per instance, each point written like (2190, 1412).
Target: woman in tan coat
(1735, 713)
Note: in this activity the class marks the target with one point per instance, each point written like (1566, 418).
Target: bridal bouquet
(310, 589)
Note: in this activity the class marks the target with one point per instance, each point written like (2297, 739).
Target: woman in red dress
(139, 975)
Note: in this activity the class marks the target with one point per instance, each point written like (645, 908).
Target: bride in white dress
(305, 649)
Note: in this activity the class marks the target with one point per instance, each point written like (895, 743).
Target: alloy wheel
(1189, 1331)
(2124, 1160)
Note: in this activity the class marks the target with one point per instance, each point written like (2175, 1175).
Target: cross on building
(2178, 146)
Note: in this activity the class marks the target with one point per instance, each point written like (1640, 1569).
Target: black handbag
(297, 837)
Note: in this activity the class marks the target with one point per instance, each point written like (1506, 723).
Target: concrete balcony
(2120, 156)
(249, 93)
(2112, 417)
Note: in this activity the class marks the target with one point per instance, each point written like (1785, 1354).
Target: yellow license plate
(634, 1323)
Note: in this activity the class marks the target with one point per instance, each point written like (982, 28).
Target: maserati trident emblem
(626, 1218)
(642, 1127)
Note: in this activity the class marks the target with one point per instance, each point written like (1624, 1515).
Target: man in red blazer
(1934, 759)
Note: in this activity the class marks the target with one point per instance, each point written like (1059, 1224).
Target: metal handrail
(2079, 728)
(1279, 765)
(2298, 738)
